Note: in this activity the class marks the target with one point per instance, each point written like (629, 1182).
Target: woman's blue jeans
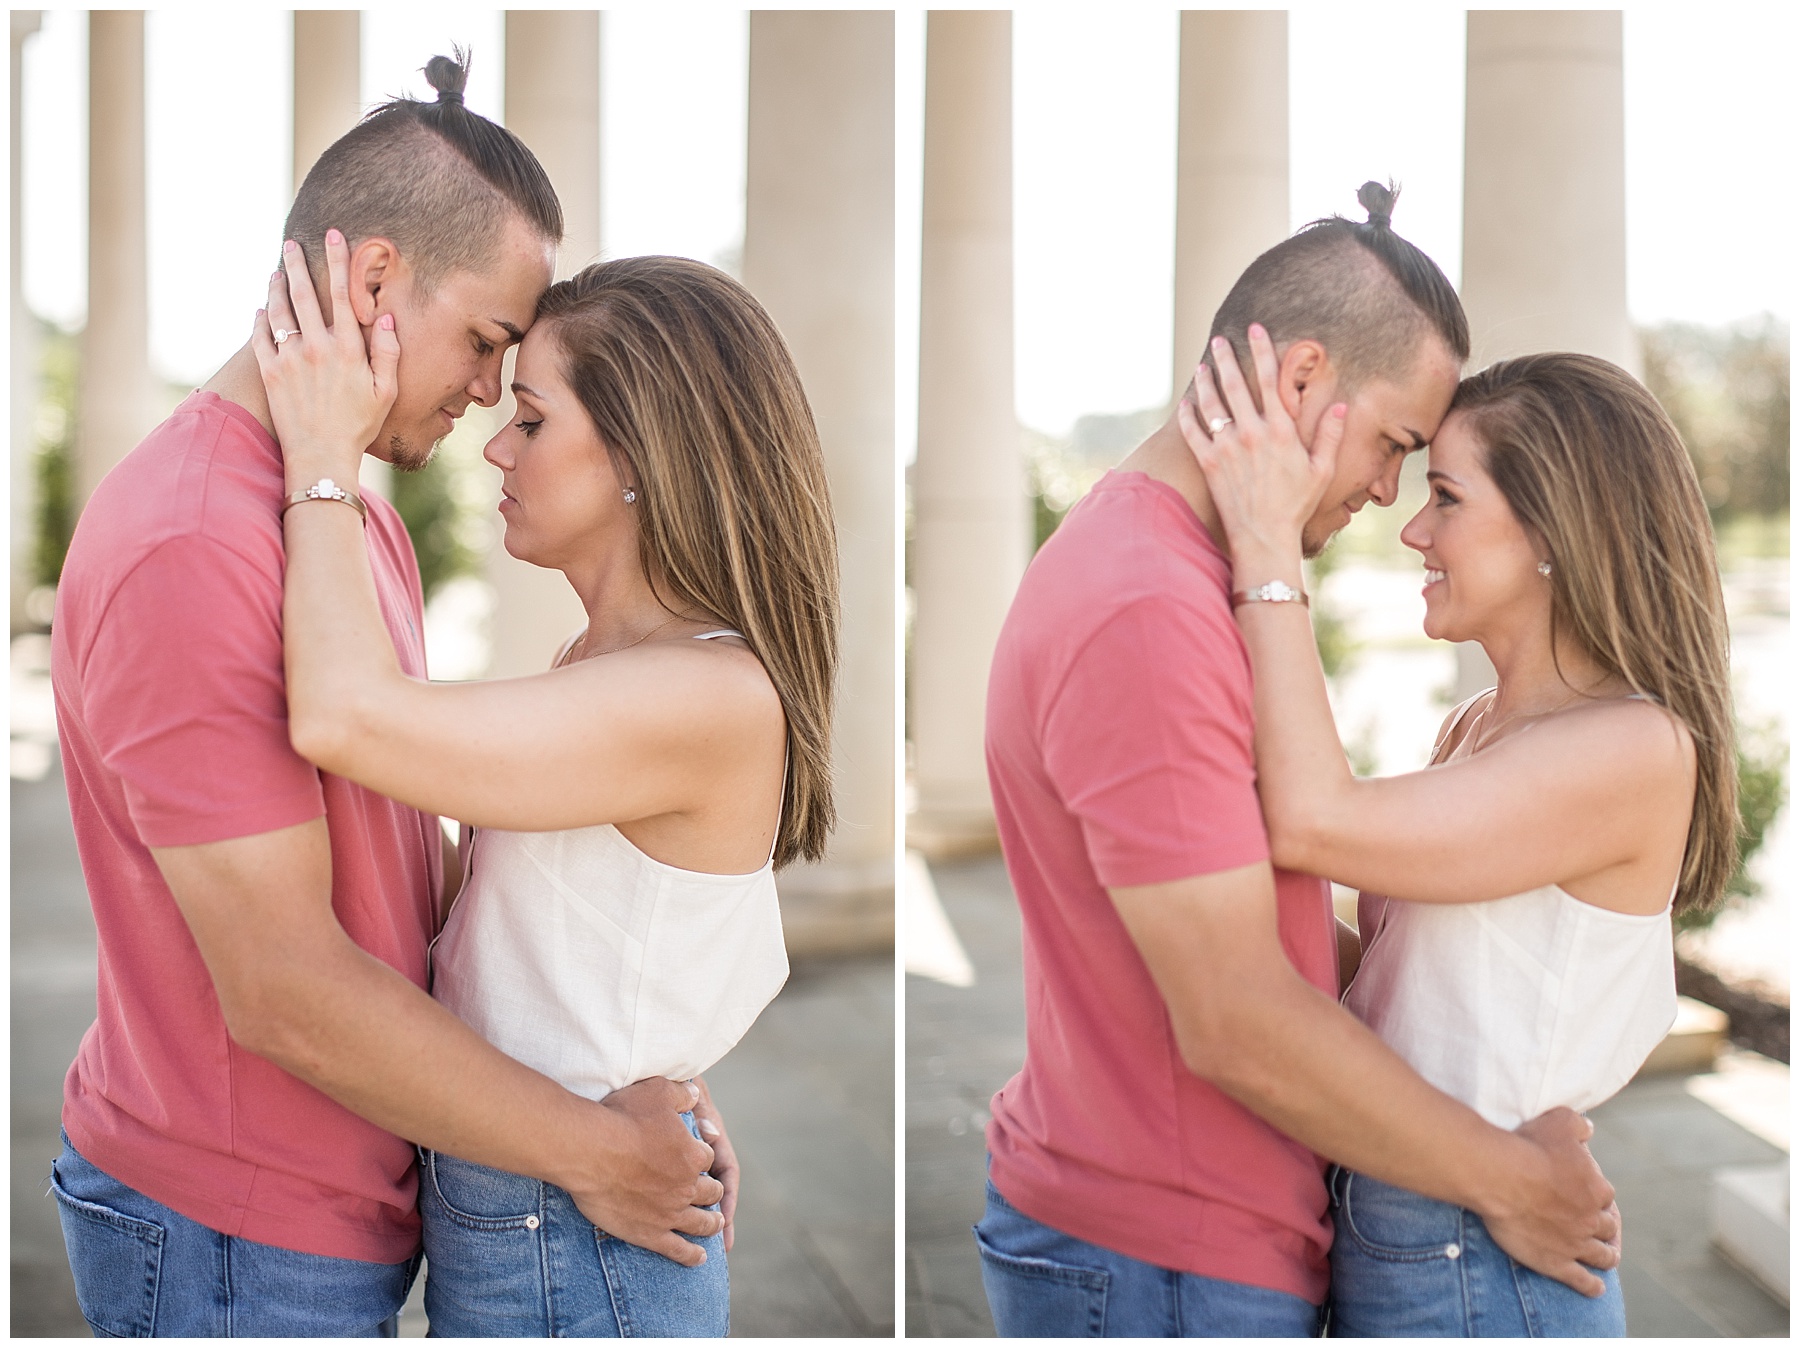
(512, 1257)
(143, 1270)
(1043, 1283)
(1407, 1266)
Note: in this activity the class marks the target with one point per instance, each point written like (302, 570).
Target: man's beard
(405, 456)
(1311, 546)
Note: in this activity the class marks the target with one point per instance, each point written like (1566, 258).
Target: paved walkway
(808, 1095)
(1656, 1140)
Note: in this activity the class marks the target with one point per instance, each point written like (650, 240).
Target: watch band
(326, 490)
(1275, 592)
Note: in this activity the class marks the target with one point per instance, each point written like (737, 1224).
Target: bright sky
(1376, 92)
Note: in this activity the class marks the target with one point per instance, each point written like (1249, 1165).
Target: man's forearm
(360, 1032)
(1296, 1058)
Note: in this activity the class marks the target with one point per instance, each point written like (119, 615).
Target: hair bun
(449, 76)
(1379, 201)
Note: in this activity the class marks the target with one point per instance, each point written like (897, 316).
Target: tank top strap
(781, 809)
(1456, 721)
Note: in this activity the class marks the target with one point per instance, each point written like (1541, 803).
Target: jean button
(531, 1224)
(1453, 1251)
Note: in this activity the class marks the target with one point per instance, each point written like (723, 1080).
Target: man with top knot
(240, 1121)
(1158, 1165)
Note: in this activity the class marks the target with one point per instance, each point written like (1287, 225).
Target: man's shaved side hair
(1361, 291)
(440, 181)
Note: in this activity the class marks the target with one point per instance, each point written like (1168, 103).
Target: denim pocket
(1391, 1223)
(117, 1263)
(482, 1198)
(1040, 1298)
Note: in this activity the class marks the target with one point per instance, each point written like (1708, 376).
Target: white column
(1231, 176)
(116, 400)
(819, 254)
(1543, 198)
(327, 81)
(553, 105)
(1544, 185)
(971, 520)
(25, 355)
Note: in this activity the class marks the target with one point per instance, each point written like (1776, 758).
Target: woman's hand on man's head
(329, 394)
(1264, 481)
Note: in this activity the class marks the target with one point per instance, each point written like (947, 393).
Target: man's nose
(1385, 490)
(486, 388)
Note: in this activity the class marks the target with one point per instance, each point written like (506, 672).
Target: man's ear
(374, 263)
(1302, 365)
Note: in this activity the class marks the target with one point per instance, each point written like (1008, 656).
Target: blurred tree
(1762, 759)
(431, 506)
(1726, 389)
(53, 454)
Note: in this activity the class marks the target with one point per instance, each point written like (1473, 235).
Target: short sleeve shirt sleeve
(1149, 743)
(184, 698)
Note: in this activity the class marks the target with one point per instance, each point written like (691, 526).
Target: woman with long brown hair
(617, 918)
(1516, 894)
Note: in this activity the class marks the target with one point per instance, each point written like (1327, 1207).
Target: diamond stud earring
(1544, 570)
(630, 496)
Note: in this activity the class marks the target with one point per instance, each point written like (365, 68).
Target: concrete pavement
(808, 1097)
(1657, 1141)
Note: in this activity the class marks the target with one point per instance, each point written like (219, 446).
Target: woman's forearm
(1302, 774)
(340, 658)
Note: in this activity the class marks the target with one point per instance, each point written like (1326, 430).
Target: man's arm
(1247, 1022)
(295, 989)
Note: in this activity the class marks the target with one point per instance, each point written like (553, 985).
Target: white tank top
(1516, 1005)
(575, 953)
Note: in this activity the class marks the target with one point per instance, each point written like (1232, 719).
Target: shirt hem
(1187, 1254)
(331, 1240)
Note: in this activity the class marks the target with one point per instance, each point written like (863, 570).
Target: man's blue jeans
(1044, 1284)
(143, 1270)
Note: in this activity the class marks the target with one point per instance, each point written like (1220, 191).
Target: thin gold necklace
(593, 655)
(1480, 723)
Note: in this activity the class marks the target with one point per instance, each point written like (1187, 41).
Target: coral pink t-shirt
(1119, 752)
(170, 705)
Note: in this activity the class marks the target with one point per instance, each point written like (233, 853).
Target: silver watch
(1275, 592)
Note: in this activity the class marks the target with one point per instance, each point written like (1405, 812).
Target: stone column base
(946, 834)
(837, 908)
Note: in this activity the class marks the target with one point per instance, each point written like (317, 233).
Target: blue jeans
(1407, 1266)
(511, 1257)
(144, 1271)
(1043, 1284)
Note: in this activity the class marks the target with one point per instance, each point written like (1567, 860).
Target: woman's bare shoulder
(708, 689)
(1631, 737)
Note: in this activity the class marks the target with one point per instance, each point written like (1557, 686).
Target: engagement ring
(1218, 424)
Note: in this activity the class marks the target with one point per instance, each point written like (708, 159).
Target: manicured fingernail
(1218, 344)
(290, 247)
(1340, 410)
(386, 321)
(708, 1127)
(693, 1090)
(1259, 329)
(332, 236)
